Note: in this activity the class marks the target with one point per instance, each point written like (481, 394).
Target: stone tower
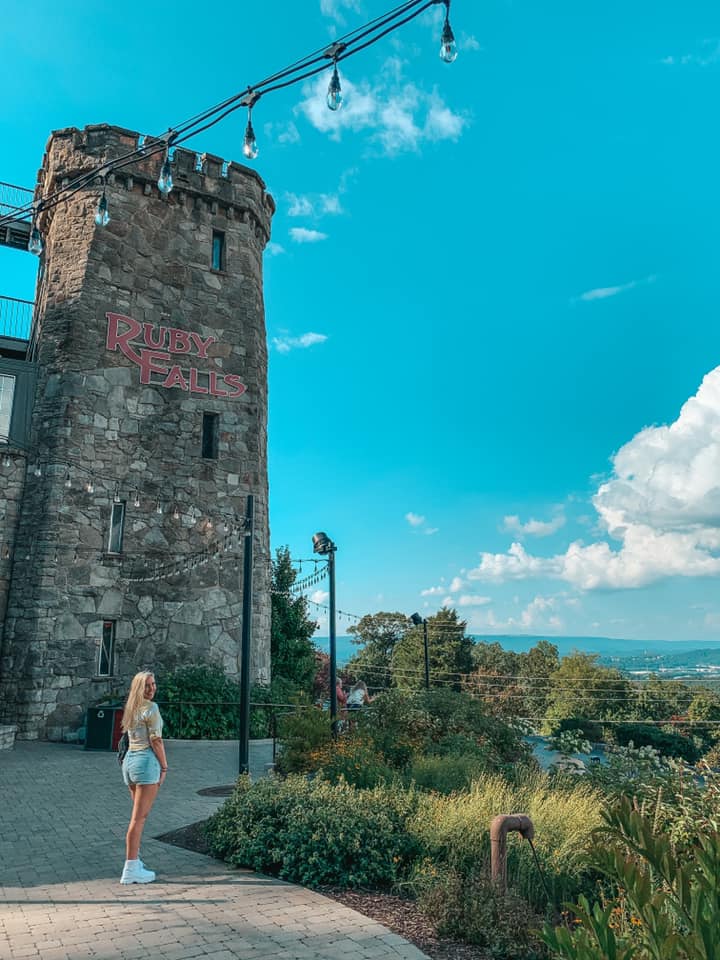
(149, 341)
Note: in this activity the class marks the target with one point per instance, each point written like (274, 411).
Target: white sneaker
(135, 872)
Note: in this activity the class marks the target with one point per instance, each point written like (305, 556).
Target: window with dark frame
(218, 250)
(117, 527)
(210, 427)
(106, 654)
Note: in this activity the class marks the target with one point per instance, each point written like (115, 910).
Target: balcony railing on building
(15, 318)
(15, 226)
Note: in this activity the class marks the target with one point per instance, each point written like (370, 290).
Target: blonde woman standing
(144, 768)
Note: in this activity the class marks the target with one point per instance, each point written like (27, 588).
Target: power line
(322, 59)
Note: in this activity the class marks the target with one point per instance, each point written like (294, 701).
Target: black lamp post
(323, 545)
(245, 640)
(417, 620)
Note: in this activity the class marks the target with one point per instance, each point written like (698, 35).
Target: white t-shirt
(148, 727)
(356, 698)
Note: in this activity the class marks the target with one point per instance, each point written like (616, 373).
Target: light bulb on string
(102, 217)
(250, 148)
(448, 47)
(90, 486)
(35, 244)
(116, 494)
(38, 471)
(176, 513)
(7, 462)
(68, 481)
(165, 180)
(136, 499)
(158, 507)
(334, 93)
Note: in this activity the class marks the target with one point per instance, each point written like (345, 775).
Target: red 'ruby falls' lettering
(154, 358)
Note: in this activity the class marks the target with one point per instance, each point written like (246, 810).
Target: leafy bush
(674, 901)
(588, 729)
(316, 832)
(445, 774)
(199, 703)
(302, 734)
(352, 760)
(474, 909)
(666, 743)
(402, 725)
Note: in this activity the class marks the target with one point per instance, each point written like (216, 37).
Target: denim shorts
(141, 766)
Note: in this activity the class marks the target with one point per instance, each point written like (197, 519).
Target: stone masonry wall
(96, 423)
(12, 483)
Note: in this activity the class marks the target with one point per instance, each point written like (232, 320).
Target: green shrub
(355, 762)
(314, 832)
(402, 725)
(445, 774)
(302, 735)
(199, 702)
(474, 909)
(666, 743)
(673, 902)
(280, 695)
(587, 729)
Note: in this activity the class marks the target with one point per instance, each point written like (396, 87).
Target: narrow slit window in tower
(210, 426)
(218, 250)
(106, 654)
(117, 527)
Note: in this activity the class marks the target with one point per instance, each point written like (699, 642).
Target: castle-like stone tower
(149, 340)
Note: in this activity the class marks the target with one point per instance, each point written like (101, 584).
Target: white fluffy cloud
(286, 344)
(334, 8)
(539, 614)
(274, 249)
(533, 528)
(414, 519)
(661, 507)
(399, 115)
(602, 293)
(315, 205)
(303, 235)
(319, 596)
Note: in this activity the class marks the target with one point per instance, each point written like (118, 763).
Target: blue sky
(491, 293)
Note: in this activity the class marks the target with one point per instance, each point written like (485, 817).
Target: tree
(450, 653)
(291, 649)
(536, 668)
(580, 687)
(377, 635)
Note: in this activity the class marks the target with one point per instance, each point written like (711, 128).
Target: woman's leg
(143, 800)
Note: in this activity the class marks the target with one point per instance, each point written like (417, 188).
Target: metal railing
(15, 318)
(13, 199)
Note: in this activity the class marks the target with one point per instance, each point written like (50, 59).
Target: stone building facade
(148, 431)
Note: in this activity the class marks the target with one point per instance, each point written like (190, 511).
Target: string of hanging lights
(317, 62)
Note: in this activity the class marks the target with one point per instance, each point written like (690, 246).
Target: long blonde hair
(136, 698)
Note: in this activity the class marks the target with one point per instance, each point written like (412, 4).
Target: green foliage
(444, 774)
(582, 688)
(291, 649)
(378, 634)
(450, 652)
(281, 695)
(355, 762)
(315, 832)
(302, 734)
(474, 909)
(402, 725)
(199, 703)
(674, 902)
(454, 832)
(666, 743)
(587, 729)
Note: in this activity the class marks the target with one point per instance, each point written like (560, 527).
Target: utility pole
(246, 636)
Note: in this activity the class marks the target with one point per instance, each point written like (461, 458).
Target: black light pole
(244, 722)
(417, 620)
(323, 545)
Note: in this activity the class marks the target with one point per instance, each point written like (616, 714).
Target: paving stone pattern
(64, 816)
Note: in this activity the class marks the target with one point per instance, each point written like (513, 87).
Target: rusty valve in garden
(499, 829)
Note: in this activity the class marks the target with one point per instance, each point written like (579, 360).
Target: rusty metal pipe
(499, 829)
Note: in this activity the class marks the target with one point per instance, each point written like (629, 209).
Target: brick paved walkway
(63, 816)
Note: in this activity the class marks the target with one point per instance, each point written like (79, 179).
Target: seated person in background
(341, 696)
(358, 696)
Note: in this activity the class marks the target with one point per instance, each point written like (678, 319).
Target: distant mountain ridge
(625, 654)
